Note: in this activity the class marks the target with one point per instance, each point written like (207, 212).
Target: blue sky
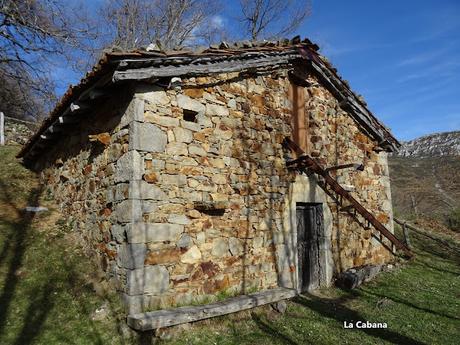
(403, 56)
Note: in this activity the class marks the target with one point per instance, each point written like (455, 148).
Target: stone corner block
(128, 211)
(129, 167)
(146, 137)
(132, 255)
(134, 112)
(133, 304)
(162, 232)
(148, 280)
(136, 233)
(143, 190)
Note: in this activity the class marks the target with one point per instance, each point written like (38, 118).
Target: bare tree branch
(273, 18)
(32, 34)
(168, 23)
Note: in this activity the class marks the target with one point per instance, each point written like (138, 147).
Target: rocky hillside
(433, 145)
(425, 176)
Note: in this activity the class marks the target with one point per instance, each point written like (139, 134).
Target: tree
(168, 23)
(32, 34)
(273, 18)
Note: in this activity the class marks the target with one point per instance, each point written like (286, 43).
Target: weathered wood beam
(224, 66)
(170, 317)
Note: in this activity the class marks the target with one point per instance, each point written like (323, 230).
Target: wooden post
(406, 235)
(2, 128)
(414, 205)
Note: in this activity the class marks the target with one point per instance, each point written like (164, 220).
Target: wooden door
(309, 230)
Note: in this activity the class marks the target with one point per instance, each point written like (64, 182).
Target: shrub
(453, 220)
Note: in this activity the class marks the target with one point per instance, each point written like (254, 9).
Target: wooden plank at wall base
(170, 317)
(2, 128)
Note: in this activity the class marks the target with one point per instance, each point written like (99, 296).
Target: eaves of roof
(117, 66)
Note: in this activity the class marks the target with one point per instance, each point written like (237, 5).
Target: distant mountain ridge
(432, 145)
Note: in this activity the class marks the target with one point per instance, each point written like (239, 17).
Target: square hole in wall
(189, 115)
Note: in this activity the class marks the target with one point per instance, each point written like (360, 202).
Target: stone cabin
(173, 168)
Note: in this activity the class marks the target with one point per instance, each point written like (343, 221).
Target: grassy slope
(417, 177)
(45, 297)
(44, 294)
(419, 302)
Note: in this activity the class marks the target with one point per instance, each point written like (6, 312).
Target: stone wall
(79, 171)
(336, 139)
(17, 132)
(189, 198)
(217, 142)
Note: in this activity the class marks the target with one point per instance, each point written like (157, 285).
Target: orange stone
(87, 169)
(200, 136)
(163, 256)
(151, 177)
(194, 93)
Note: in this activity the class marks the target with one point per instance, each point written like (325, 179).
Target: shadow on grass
(436, 268)
(17, 236)
(272, 331)
(16, 246)
(411, 305)
(437, 249)
(334, 309)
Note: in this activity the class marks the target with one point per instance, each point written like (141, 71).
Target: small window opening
(189, 115)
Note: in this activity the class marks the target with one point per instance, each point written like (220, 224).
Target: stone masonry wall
(229, 157)
(185, 198)
(217, 142)
(336, 139)
(79, 173)
(17, 132)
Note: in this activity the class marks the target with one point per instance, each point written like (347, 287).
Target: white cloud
(217, 21)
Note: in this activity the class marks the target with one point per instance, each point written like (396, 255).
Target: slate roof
(151, 64)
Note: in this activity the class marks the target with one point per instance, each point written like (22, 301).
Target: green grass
(419, 301)
(45, 297)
